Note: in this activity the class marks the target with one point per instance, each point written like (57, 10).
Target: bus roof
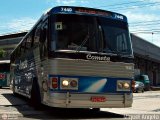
(87, 11)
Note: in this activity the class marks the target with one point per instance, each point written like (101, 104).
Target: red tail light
(54, 83)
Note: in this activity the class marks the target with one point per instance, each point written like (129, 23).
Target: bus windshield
(91, 33)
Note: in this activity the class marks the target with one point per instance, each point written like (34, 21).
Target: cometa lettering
(98, 58)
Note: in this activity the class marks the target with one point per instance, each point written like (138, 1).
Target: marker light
(120, 85)
(65, 83)
(123, 85)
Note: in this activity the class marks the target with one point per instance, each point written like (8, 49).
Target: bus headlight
(126, 85)
(69, 83)
(65, 83)
(120, 85)
(123, 85)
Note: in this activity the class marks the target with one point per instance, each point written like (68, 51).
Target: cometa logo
(98, 58)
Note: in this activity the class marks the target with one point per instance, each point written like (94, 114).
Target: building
(147, 55)
(8, 43)
(147, 58)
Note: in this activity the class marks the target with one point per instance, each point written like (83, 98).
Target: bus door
(43, 41)
(40, 50)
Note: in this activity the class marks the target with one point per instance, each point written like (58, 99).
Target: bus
(4, 73)
(75, 57)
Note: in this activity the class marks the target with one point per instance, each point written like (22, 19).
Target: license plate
(98, 99)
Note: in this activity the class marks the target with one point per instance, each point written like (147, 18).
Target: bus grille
(90, 68)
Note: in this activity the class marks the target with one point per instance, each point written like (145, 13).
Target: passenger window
(32, 38)
(37, 36)
(18, 52)
(43, 40)
(28, 42)
(23, 46)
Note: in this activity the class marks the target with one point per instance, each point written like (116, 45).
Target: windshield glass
(91, 33)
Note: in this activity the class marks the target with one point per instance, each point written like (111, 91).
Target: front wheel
(35, 100)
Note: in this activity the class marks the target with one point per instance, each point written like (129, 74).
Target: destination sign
(89, 11)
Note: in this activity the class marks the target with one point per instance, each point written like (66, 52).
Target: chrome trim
(72, 67)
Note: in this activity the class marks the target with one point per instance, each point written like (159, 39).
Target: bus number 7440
(64, 9)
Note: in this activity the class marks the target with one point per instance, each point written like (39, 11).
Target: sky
(143, 15)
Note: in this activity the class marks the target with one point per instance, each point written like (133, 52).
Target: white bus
(75, 57)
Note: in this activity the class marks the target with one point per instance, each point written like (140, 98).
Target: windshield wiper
(88, 36)
(83, 43)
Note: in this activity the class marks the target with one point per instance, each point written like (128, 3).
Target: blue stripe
(87, 84)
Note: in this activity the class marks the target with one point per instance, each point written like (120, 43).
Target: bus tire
(35, 99)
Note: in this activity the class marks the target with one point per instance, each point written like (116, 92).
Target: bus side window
(17, 53)
(43, 40)
(36, 37)
(23, 46)
(20, 50)
(28, 42)
(32, 38)
(53, 36)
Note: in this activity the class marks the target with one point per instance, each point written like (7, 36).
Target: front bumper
(81, 100)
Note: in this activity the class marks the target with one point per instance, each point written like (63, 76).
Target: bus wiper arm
(88, 36)
(83, 43)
